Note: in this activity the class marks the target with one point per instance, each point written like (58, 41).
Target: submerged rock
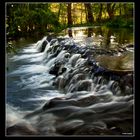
(118, 64)
(43, 46)
(69, 127)
(22, 128)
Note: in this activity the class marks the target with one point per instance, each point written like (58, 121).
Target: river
(79, 82)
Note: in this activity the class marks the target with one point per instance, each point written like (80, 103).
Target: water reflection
(102, 36)
(107, 40)
(70, 32)
(110, 39)
(90, 32)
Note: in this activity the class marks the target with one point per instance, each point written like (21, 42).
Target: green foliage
(28, 19)
(120, 21)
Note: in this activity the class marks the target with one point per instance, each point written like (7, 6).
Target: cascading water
(60, 90)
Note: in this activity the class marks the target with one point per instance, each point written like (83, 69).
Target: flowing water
(64, 85)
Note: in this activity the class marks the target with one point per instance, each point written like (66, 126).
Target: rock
(55, 69)
(117, 64)
(50, 37)
(22, 128)
(43, 46)
(69, 127)
(89, 129)
(55, 102)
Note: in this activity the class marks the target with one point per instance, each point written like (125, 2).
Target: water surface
(77, 101)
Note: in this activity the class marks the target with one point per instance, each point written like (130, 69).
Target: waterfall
(66, 92)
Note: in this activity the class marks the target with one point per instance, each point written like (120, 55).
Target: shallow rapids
(57, 88)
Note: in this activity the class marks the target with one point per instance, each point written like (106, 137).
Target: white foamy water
(30, 69)
(66, 101)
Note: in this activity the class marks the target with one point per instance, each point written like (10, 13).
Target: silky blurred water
(30, 86)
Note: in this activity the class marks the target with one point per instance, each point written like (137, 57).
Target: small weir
(63, 86)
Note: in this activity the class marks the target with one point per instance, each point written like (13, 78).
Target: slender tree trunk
(100, 12)
(125, 9)
(60, 5)
(81, 13)
(69, 14)
(120, 6)
(110, 10)
(90, 18)
(86, 13)
(81, 17)
(90, 32)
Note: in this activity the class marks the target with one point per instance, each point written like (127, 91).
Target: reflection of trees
(74, 32)
(70, 32)
(107, 34)
(90, 32)
(99, 31)
(123, 36)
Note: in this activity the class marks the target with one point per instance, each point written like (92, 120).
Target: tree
(59, 11)
(110, 10)
(25, 19)
(81, 13)
(128, 10)
(69, 15)
(88, 8)
(100, 12)
(120, 6)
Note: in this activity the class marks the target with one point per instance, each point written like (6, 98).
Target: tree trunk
(120, 6)
(125, 10)
(86, 13)
(81, 13)
(110, 10)
(69, 14)
(90, 18)
(100, 12)
(60, 5)
(81, 17)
